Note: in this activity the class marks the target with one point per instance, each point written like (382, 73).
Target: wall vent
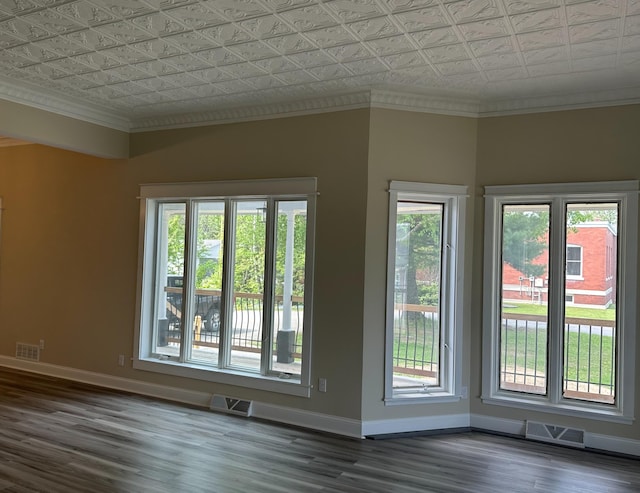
(230, 405)
(563, 435)
(30, 352)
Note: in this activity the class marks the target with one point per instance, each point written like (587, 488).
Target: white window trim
(278, 188)
(577, 277)
(454, 197)
(625, 192)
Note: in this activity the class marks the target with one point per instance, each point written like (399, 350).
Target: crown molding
(53, 103)
(322, 104)
(374, 98)
(561, 102)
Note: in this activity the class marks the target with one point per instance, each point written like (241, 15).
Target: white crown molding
(322, 104)
(53, 103)
(560, 102)
(375, 98)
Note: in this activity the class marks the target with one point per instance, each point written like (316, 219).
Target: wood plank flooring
(61, 436)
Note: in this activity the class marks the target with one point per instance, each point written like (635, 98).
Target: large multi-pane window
(226, 274)
(424, 291)
(560, 283)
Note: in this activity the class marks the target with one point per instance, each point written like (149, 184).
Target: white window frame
(275, 189)
(576, 277)
(557, 195)
(454, 200)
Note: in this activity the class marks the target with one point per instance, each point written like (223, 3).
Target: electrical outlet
(464, 392)
(41, 343)
(322, 385)
(121, 360)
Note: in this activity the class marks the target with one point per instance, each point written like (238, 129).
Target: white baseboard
(421, 423)
(499, 425)
(312, 420)
(308, 419)
(191, 397)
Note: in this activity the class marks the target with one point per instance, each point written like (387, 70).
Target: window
(574, 261)
(226, 277)
(561, 342)
(424, 292)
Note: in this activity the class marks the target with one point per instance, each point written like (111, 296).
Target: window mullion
(556, 288)
(226, 298)
(188, 284)
(268, 290)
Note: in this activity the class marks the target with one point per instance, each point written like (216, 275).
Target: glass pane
(169, 272)
(417, 291)
(290, 241)
(248, 284)
(590, 318)
(524, 300)
(209, 217)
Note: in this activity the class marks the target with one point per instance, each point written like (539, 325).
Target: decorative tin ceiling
(146, 63)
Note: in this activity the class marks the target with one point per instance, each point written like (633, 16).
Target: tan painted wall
(571, 146)
(70, 242)
(409, 147)
(43, 127)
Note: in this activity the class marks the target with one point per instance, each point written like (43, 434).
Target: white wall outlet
(41, 343)
(464, 392)
(121, 360)
(322, 385)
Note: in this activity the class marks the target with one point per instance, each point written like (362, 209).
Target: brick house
(590, 267)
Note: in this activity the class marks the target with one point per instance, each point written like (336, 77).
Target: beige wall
(70, 242)
(42, 127)
(68, 256)
(570, 146)
(408, 147)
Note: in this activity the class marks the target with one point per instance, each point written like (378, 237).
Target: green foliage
(522, 233)
(419, 239)
(249, 254)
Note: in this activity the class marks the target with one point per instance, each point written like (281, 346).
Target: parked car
(207, 306)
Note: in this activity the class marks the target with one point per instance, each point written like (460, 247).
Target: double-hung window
(560, 297)
(424, 292)
(225, 291)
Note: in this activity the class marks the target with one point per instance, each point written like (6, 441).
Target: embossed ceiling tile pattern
(366, 66)
(541, 19)
(330, 36)
(596, 30)
(436, 37)
(473, 10)
(155, 56)
(196, 16)
(490, 46)
(389, 46)
(349, 10)
(520, 6)
(347, 53)
(490, 28)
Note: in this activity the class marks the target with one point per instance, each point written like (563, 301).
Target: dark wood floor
(60, 436)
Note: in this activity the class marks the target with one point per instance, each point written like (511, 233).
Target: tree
(523, 233)
(418, 250)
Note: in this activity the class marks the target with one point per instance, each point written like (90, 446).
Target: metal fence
(246, 320)
(416, 344)
(589, 348)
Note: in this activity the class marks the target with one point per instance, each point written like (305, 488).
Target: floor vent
(230, 405)
(27, 351)
(563, 435)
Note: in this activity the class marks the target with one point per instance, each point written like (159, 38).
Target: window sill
(563, 408)
(292, 386)
(421, 398)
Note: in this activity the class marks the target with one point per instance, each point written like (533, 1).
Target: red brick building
(590, 270)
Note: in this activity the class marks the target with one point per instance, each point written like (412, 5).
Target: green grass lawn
(571, 311)
(587, 358)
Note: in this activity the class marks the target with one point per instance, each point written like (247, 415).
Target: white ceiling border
(48, 101)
